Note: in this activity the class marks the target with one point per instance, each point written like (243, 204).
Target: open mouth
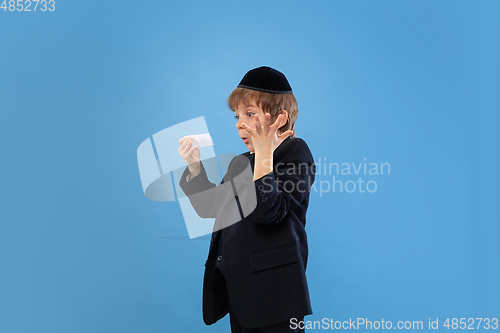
(245, 140)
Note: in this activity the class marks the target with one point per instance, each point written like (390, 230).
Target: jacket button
(260, 187)
(264, 199)
(262, 194)
(219, 258)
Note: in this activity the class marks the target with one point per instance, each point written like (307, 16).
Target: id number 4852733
(470, 323)
(28, 5)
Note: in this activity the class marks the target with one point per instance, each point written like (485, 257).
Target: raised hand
(265, 137)
(265, 140)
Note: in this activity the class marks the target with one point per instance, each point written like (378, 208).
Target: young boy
(255, 269)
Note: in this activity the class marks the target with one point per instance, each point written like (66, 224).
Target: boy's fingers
(183, 145)
(285, 135)
(181, 148)
(184, 142)
(277, 122)
(258, 126)
(248, 129)
(186, 145)
(268, 119)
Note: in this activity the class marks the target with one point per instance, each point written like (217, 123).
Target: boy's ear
(284, 119)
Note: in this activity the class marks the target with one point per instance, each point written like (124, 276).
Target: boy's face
(245, 114)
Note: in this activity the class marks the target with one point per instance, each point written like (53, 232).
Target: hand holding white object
(190, 155)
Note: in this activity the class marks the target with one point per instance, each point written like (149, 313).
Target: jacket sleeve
(205, 197)
(287, 187)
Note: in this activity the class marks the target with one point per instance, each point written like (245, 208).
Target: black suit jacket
(257, 264)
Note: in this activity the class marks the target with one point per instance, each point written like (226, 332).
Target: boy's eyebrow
(243, 109)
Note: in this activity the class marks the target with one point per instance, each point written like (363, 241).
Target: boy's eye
(236, 117)
(250, 114)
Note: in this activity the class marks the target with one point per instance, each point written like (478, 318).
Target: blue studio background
(410, 83)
